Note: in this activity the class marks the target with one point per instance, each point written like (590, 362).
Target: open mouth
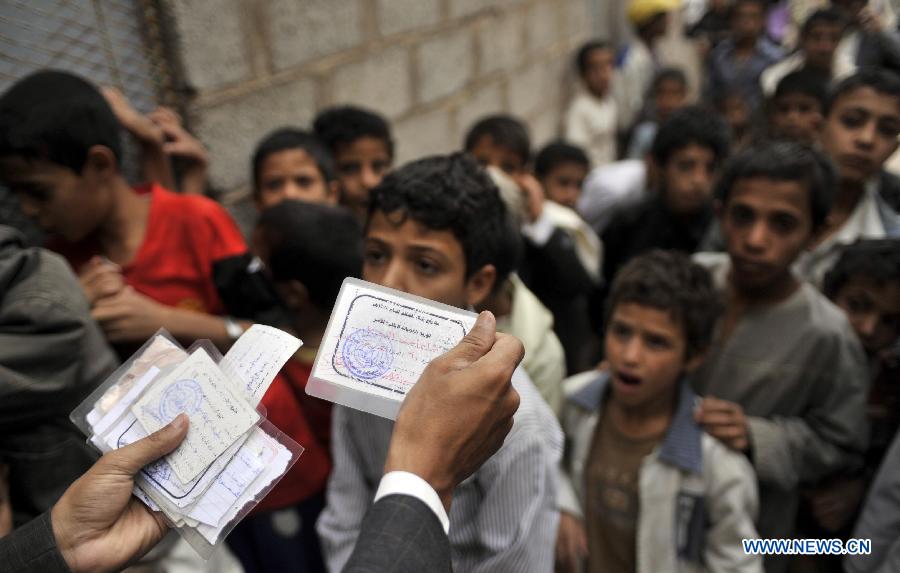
(628, 380)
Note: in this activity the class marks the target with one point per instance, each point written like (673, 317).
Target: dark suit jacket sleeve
(32, 549)
(400, 534)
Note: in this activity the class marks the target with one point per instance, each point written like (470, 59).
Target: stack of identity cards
(231, 457)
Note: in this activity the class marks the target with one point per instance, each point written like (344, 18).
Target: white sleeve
(406, 483)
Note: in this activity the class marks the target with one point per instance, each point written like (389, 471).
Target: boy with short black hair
(785, 379)
(436, 228)
(561, 168)
(819, 38)
(669, 93)
(735, 65)
(144, 255)
(363, 149)
(291, 163)
(796, 110)
(686, 154)
(862, 124)
(308, 249)
(644, 488)
(591, 120)
(502, 141)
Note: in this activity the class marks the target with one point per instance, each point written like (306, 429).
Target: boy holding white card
(435, 230)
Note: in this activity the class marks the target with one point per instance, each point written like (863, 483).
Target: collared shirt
(727, 73)
(864, 222)
(503, 517)
(591, 122)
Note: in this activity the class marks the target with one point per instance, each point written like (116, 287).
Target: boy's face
(797, 116)
(361, 165)
(736, 112)
(819, 44)
(598, 71)
(670, 95)
(563, 183)
(861, 131)
(646, 352)
(292, 174)
(59, 200)
(488, 153)
(873, 310)
(748, 21)
(766, 225)
(412, 258)
(688, 176)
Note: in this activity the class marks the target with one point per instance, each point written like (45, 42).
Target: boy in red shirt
(308, 249)
(144, 256)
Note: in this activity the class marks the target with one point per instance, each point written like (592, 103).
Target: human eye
(374, 255)
(853, 119)
(620, 331)
(657, 342)
(427, 266)
(349, 168)
(274, 184)
(741, 215)
(784, 223)
(889, 128)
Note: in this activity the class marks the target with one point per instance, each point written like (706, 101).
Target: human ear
(101, 161)
(294, 295)
(480, 285)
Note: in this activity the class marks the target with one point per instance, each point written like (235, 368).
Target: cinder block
(211, 60)
(445, 64)
(422, 135)
(381, 82)
(307, 29)
(501, 41)
(402, 15)
(543, 25)
(485, 101)
(231, 130)
(532, 88)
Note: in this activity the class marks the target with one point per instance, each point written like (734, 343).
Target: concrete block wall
(431, 66)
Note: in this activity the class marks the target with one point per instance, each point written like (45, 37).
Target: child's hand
(571, 543)
(5, 504)
(869, 21)
(724, 421)
(179, 142)
(140, 126)
(533, 193)
(129, 316)
(100, 278)
(834, 504)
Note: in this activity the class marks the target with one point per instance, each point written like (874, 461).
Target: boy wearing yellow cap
(636, 62)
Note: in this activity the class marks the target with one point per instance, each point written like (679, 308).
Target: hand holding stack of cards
(232, 456)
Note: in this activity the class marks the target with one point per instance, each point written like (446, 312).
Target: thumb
(133, 457)
(478, 341)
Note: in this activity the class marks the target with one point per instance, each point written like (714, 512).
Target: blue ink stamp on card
(367, 354)
(182, 396)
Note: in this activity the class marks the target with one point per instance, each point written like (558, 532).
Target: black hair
(57, 117)
(785, 161)
(671, 282)
(875, 259)
(557, 153)
(584, 52)
(805, 82)
(763, 4)
(879, 79)
(691, 125)
(317, 245)
(450, 192)
(291, 138)
(828, 16)
(504, 131)
(668, 75)
(343, 125)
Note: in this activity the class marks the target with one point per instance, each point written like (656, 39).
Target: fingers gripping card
(218, 414)
(377, 344)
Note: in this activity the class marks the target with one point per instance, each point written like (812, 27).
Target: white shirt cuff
(406, 483)
(540, 230)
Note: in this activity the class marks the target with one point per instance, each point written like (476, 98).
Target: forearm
(193, 181)
(191, 325)
(155, 165)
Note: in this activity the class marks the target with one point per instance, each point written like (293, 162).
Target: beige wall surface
(430, 66)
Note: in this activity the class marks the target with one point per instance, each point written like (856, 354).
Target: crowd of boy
(708, 294)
